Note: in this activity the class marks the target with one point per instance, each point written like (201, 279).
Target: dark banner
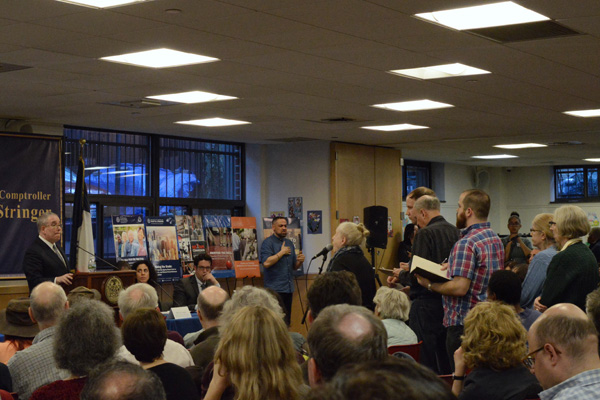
(30, 184)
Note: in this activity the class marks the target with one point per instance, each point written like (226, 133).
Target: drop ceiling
(297, 65)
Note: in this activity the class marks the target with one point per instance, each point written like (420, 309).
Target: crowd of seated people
(523, 338)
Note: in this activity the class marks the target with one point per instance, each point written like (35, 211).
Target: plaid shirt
(584, 386)
(477, 255)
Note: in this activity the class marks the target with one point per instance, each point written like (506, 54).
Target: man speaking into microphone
(279, 260)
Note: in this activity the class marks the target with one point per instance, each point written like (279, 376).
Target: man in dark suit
(44, 260)
(186, 291)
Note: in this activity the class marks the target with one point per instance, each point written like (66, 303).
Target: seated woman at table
(573, 271)
(348, 256)
(145, 335)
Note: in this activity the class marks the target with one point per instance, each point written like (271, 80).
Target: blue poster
(130, 238)
(30, 185)
(163, 248)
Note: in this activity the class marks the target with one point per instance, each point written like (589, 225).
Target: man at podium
(44, 260)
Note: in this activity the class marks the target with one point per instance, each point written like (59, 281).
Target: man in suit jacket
(186, 291)
(44, 260)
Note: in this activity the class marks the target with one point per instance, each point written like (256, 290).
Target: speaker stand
(372, 251)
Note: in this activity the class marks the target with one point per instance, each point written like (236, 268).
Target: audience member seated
(144, 334)
(563, 346)
(211, 302)
(390, 379)
(516, 248)
(86, 336)
(5, 379)
(348, 256)
(392, 306)
(594, 241)
(505, 286)
(141, 295)
(520, 270)
(121, 380)
(342, 335)
(185, 292)
(592, 308)
(336, 287)
(542, 238)
(298, 340)
(573, 272)
(17, 327)
(256, 356)
(35, 366)
(81, 292)
(493, 347)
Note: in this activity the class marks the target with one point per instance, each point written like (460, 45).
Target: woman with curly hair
(256, 355)
(493, 347)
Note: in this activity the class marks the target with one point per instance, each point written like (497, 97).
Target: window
(414, 175)
(579, 183)
(139, 174)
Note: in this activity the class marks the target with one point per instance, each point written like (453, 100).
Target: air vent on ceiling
(11, 67)
(292, 139)
(524, 32)
(138, 104)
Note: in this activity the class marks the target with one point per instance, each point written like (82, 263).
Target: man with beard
(279, 261)
(473, 259)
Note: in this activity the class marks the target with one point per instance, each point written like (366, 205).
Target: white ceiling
(293, 63)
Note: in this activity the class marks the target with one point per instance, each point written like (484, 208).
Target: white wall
(278, 171)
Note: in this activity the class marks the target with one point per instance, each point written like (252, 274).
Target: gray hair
(121, 380)
(249, 296)
(333, 346)
(43, 220)
(86, 336)
(139, 295)
(48, 302)
(392, 303)
(428, 203)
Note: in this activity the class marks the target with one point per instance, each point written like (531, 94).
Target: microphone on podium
(324, 252)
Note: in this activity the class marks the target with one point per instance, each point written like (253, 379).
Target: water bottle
(92, 265)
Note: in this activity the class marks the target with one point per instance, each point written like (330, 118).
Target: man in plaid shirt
(473, 259)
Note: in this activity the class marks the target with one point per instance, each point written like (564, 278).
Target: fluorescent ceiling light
(584, 113)
(160, 58)
(592, 159)
(413, 105)
(195, 96)
(520, 146)
(397, 127)
(101, 3)
(485, 16)
(211, 122)
(440, 71)
(495, 156)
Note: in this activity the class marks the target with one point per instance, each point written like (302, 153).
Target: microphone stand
(163, 291)
(114, 267)
(320, 272)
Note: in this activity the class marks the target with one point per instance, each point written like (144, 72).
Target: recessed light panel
(397, 127)
(212, 122)
(592, 159)
(440, 71)
(195, 96)
(101, 3)
(416, 105)
(160, 58)
(520, 146)
(485, 16)
(495, 157)
(584, 113)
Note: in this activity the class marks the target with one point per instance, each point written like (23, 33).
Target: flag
(81, 227)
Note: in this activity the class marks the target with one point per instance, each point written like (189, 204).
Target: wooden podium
(108, 283)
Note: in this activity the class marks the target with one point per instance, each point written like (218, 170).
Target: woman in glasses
(543, 239)
(493, 348)
(573, 271)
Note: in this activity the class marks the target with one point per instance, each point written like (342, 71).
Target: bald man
(564, 354)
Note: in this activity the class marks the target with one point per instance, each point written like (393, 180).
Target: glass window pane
(416, 176)
(592, 182)
(173, 210)
(109, 211)
(570, 183)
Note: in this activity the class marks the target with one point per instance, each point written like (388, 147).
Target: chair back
(414, 350)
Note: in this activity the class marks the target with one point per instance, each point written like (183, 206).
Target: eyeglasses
(54, 225)
(204, 268)
(529, 360)
(551, 223)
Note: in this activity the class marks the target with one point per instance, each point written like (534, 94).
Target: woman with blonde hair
(542, 238)
(255, 354)
(493, 347)
(348, 256)
(392, 306)
(573, 271)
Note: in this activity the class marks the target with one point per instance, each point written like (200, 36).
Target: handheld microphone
(324, 252)
(114, 267)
